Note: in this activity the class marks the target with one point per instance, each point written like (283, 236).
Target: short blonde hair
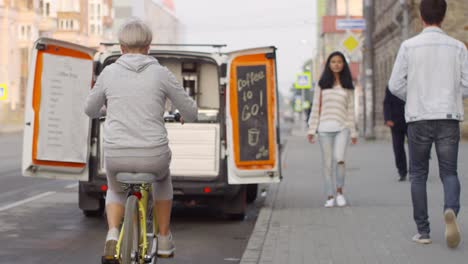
(135, 34)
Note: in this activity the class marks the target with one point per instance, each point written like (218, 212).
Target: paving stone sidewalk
(377, 226)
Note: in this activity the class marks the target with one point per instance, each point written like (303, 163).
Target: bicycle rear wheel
(151, 230)
(130, 241)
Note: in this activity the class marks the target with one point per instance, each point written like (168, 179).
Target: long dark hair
(328, 79)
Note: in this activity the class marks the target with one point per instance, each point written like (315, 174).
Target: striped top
(337, 107)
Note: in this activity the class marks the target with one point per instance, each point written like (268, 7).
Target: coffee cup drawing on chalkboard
(262, 152)
(254, 135)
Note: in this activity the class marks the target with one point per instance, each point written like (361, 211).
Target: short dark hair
(433, 11)
(328, 79)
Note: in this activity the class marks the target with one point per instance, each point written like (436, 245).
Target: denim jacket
(431, 75)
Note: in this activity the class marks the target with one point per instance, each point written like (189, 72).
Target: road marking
(232, 259)
(30, 199)
(71, 186)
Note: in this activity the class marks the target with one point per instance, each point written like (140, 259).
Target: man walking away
(430, 74)
(394, 115)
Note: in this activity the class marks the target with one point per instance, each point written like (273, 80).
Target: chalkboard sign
(253, 113)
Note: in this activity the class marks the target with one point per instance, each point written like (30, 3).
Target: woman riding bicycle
(134, 90)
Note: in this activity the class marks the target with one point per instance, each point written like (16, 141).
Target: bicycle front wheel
(130, 241)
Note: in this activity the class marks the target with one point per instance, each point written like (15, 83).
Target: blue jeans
(446, 136)
(333, 145)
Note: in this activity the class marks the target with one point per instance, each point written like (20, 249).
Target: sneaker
(402, 179)
(109, 248)
(422, 238)
(166, 246)
(452, 232)
(330, 203)
(340, 200)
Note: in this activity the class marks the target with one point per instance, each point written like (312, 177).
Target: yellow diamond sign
(3, 92)
(350, 43)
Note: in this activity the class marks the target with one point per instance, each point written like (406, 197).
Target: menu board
(253, 113)
(63, 127)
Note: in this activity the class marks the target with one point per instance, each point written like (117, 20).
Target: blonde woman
(332, 118)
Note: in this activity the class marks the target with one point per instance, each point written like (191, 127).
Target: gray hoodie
(135, 89)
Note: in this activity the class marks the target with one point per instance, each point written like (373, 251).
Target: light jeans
(334, 145)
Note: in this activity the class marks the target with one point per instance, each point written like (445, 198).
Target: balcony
(48, 24)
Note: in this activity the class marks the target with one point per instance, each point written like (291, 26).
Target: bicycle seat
(135, 178)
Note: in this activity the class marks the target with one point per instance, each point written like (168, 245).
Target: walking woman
(332, 118)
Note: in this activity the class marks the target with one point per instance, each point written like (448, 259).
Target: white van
(218, 160)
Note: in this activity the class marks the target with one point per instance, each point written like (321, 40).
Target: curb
(254, 249)
(257, 242)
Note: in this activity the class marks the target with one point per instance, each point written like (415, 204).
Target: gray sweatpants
(158, 165)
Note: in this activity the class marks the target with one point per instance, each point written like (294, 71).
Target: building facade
(159, 15)
(85, 22)
(389, 31)
(17, 28)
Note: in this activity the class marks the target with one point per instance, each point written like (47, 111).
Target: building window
(99, 30)
(41, 7)
(99, 11)
(93, 29)
(28, 33)
(47, 9)
(71, 24)
(30, 4)
(91, 11)
(22, 32)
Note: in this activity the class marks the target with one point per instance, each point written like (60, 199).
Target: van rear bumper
(187, 188)
(92, 187)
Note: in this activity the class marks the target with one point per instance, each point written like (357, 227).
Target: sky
(290, 25)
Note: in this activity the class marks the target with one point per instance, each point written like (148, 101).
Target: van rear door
(252, 117)
(57, 131)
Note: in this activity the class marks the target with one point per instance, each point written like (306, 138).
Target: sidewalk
(376, 227)
(6, 129)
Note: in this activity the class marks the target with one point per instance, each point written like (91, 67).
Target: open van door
(252, 117)
(56, 131)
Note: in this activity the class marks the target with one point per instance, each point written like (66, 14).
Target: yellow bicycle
(137, 243)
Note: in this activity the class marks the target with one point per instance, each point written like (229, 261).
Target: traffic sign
(351, 24)
(3, 92)
(351, 43)
(303, 81)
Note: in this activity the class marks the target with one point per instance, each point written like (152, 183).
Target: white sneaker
(452, 231)
(330, 203)
(166, 246)
(340, 200)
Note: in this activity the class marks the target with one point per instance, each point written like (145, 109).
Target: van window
(198, 76)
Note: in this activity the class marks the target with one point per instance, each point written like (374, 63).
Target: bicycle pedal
(109, 260)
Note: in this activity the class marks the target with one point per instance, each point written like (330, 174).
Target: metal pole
(347, 9)
(303, 122)
(368, 71)
(405, 29)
